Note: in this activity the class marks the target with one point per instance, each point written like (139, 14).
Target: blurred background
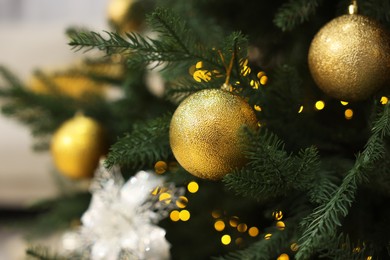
(32, 36)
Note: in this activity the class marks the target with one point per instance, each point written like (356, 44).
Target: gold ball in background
(205, 132)
(349, 58)
(73, 85)
(77, 146)
(127, 15)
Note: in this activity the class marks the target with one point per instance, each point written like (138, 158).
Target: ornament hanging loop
(226, 85)
(353, 7)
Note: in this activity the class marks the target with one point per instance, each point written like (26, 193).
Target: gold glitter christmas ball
(77, 146)
(205, 132)
(349, 58)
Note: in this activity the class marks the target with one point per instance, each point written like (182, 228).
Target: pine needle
(294, 13)
(322, 224)
(146, 144)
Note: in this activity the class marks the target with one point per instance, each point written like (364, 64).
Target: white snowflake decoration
(120, 222)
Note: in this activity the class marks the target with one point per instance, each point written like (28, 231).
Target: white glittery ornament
(120, 222)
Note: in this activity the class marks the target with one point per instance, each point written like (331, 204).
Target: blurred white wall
(32, 36)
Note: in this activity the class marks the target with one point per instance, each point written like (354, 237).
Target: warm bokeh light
(156, 191)
(319, 105)
(184, 215)
(253, 231)
(384, 100)
(356, 250)
(166, 197)
(216, 214)
(254, 84)
(348, 113)
(242, 227)
(202, 75)
(257, 108)
(199, 65)
(233, 222)
(283, 257)
(260, 74)
(182, 202)
(174, 215)
(300, 109)
(193, 187)
(246, 70)
(267, 236)
(344, 103)
(226, 239)
(263, 80)
(278, 215)
(294, 247)
(160, 167)
(219, 225)
(191, 70)
(280, 225)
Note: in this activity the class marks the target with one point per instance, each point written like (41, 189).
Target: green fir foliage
(328, 174)
(271, 170)
(58, 213)
(294, 13)
(340, 248)
(322, 224)
(146, 144)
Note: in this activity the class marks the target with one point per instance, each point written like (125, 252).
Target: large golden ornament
(205, 132)
(77, 147)
(349, 58)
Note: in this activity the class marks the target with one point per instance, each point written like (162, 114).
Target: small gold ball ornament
(77, 146)
(349, 58)
(75, 86)
(205, 132)
(127, 15)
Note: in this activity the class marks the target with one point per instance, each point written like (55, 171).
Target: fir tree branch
(341, 248)
(322, 188)
(175, 43)
(321, 225)
(295, 12)
(146, 144)
(271, 171)
(44, 112)
(10, 78)
(378, 9)
(58, 213)
(42, 253)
